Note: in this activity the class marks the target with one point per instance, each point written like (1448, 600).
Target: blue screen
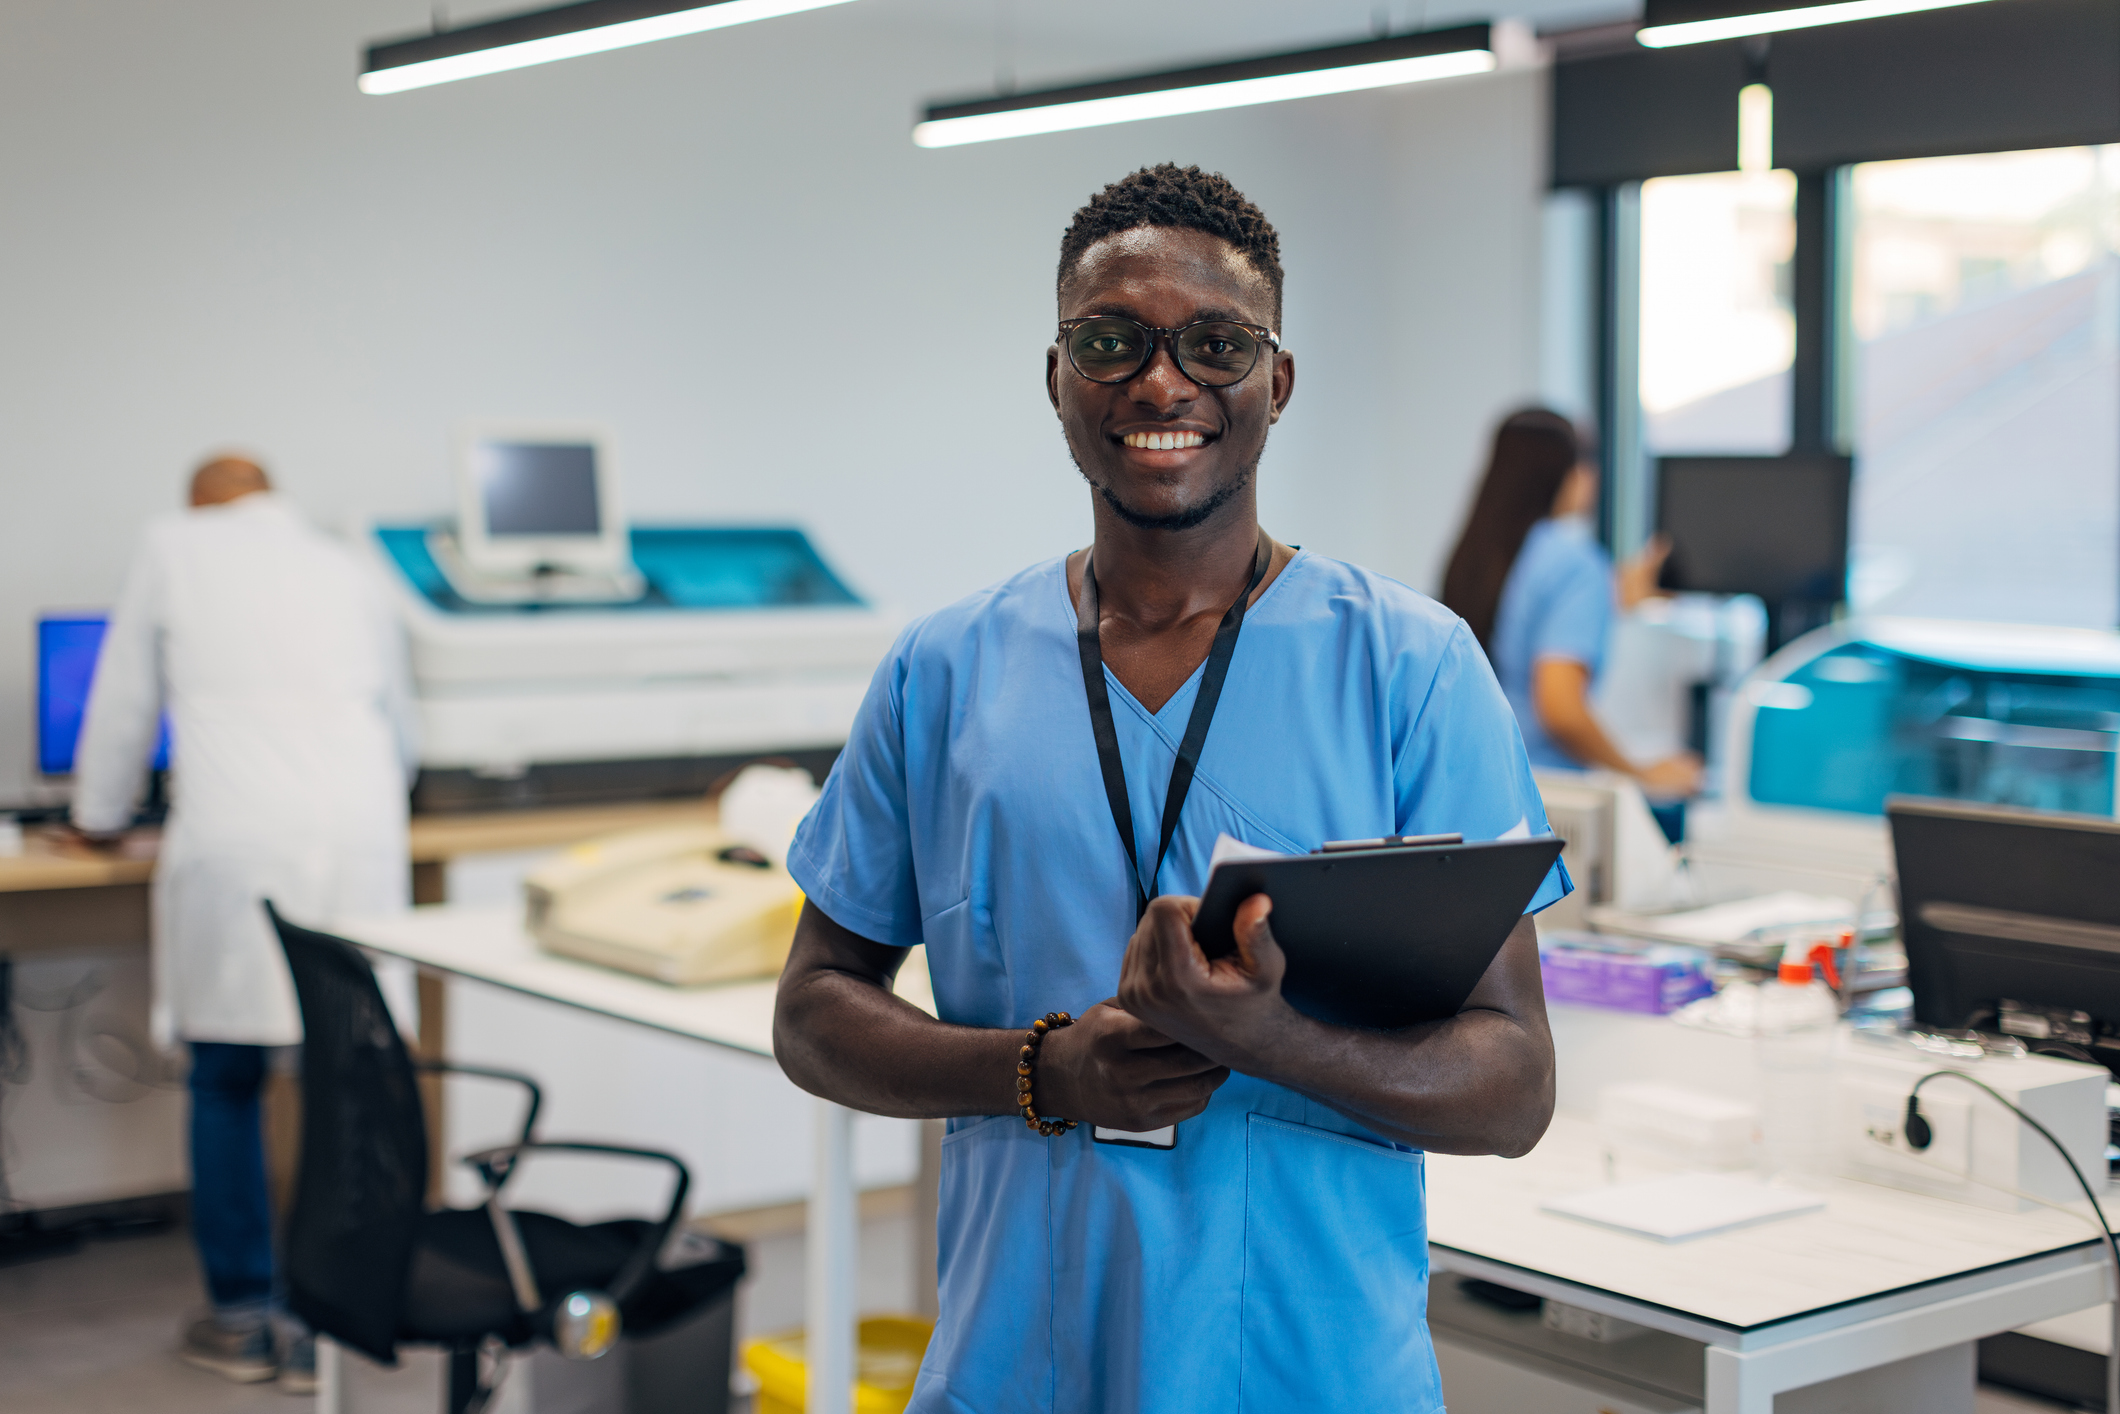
(66, 665)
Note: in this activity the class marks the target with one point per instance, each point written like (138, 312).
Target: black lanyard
(1203, 712)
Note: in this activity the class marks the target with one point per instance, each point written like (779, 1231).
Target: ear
(1284, 383)
(1052, 375)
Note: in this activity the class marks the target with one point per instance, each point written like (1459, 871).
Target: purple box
(1657, 978)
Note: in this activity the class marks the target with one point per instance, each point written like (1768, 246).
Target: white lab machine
(742, 643)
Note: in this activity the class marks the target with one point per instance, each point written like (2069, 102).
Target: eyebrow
(1125, 311)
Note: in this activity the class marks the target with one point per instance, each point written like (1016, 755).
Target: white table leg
(831, 1249)
(331, 1378)
(1729, 1391)
(927, 1201)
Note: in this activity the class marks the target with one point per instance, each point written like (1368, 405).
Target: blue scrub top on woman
(1556, 603)
(1277, 1257)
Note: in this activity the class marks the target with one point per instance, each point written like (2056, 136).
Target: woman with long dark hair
(1538, 591)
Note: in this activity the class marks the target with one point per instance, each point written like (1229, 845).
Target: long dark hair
(1533, 452)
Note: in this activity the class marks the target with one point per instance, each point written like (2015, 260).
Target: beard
(1187, 519)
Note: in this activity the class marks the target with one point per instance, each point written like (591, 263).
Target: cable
(1919, 1135)
(14, 1065)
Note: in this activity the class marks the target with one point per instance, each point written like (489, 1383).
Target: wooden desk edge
(47, 862)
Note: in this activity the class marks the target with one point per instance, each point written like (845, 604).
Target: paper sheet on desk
(1746, 919)
(1685, 1205)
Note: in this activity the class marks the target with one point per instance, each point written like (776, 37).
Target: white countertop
(491, 945)
(1868, 1242)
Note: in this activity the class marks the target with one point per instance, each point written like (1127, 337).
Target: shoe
(298, 1365)
(243, 1356)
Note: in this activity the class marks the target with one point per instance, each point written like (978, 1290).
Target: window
(1983, 301)
(1718, 333)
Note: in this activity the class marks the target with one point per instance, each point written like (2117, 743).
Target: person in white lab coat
(283, 673)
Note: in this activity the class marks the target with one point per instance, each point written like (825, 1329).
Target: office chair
(369, 1265)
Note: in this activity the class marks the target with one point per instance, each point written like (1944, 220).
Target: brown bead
(1038, 1027)
(1029, 1051)
(1023, 1068)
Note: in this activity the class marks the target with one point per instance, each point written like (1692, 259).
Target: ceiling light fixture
(543, 36)
(1700, 31)
(1345, 68)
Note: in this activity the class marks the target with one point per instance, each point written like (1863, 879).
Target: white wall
(725, 247)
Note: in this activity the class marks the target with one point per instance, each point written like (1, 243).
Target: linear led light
(564, 32)
(1345, 68)
(1775, 21)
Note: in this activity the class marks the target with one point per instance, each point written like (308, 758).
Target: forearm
(1560, 696)
(1480, 1082)
(848, 1039)
(1580, 735)
(840, 1032)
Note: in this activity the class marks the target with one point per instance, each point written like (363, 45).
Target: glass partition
(1983, 302)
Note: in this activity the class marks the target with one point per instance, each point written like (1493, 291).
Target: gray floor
(91, 1333)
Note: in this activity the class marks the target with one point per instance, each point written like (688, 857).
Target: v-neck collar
(1192, 679)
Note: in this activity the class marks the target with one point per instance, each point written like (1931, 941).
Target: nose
(1161, 384)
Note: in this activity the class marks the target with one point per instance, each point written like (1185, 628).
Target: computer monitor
(1776, 527)
(67, 647)
(537, 497)
(2011, 920)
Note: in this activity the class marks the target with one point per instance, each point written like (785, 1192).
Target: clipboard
(1384, 937)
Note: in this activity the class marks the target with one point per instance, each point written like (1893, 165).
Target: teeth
(1164, 441)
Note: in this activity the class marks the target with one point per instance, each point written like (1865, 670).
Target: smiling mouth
(1164, 441)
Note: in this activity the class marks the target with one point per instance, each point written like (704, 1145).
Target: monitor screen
(1772, 526)
(538, 488)
(67, 645)
(2003, 908)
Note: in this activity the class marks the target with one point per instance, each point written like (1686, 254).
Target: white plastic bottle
(1797, 1014)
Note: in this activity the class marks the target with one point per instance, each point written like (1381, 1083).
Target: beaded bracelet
(1032, 1040)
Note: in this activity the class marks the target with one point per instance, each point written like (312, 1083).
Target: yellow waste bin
(884, 1365)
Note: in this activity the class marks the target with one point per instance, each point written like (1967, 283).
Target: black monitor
(2011, 919)
(1772, 526)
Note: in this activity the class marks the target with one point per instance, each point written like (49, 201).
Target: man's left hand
(1227, 1008)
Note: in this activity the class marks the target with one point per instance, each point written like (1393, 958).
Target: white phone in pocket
(1164, 1138)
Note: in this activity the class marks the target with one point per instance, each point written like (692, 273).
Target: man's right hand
(1673, 778)
(101, 841)
(1112, 1069)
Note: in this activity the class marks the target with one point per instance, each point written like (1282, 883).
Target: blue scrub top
(1277, 1257)
(1556, 603)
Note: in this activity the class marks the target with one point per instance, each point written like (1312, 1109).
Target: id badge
(1164, 1138)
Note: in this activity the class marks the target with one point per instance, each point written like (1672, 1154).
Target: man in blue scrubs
(1275, 1258)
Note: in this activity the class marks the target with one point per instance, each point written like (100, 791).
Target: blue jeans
(231, 1212)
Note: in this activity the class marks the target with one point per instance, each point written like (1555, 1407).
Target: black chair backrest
(363, 1185)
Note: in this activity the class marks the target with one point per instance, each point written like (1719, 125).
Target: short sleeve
(1578, 616)
(1459, 764)
(853, 853)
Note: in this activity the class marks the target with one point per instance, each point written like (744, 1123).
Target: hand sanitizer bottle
(1797, 1014)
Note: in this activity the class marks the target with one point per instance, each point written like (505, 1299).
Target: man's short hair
(1183, 197)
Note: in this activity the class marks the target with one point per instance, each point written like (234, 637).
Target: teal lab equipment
(2004, 714)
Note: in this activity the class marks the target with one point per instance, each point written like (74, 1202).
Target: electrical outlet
(1872, 1116)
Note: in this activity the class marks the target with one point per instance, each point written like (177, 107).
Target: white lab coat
(284, 674)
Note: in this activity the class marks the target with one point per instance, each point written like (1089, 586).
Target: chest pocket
(1335, 1274)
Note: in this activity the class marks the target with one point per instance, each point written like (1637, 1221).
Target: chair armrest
(537, 1096)
(494, 1165)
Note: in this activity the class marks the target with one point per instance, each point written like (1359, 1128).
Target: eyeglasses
(1214, 353)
